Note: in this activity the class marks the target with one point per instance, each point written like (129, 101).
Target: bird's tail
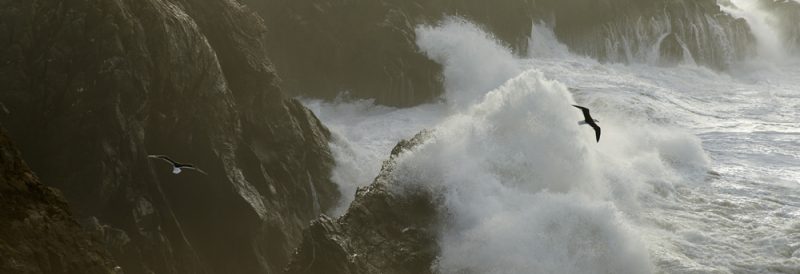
(582, 122)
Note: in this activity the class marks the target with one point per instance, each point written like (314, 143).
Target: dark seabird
(590, 121)
(177, 167)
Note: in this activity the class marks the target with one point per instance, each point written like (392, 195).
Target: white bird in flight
(177, 167)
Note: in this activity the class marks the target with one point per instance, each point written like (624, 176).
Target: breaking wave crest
(524, 186)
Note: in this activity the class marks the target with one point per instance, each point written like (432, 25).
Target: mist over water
(696, 171)
(473, 62)
(364, 134)
(763, 24)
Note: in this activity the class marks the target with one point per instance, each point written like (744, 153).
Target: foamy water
(696, 171)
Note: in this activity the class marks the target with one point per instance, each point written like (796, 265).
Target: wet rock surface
(367, 49)
(91, 87)
(39, 234)
(628, 30)
(387, 229)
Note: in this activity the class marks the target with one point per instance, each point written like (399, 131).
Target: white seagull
(588, 120)
(177, 167)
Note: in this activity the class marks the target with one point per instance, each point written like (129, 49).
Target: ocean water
(696, 171)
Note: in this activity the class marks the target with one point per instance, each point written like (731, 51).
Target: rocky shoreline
(91, 87)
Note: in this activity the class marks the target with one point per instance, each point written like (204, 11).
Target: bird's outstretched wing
(585, 112)
(580, 107)
(596, 131)
(163, 157)
(191, 167)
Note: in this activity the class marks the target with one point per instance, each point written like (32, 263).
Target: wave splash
(524, 186)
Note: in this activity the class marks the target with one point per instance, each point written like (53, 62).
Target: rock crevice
(92, 87)
(387, 229)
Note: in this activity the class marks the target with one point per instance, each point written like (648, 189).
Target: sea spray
(473, 62)
(522, 188)
(363, 135)
(524, 184)
(639, 201)
(770, 44)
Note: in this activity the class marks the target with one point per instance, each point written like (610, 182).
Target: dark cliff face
(91, 87)
(386, 230)
(367, 48)
(629, 30)
(39, 235)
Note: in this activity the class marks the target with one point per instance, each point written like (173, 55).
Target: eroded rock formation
(91, 87)
(367, 49)
(387, 229)
(38, 233)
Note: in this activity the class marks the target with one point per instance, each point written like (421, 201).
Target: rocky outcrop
(39, 234)
(91, 87)
(631, 31)
(386, 230)
(367, 49)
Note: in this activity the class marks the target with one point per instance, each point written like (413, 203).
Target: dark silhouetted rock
(628, 30)
(92, 87)
(385, 230)
(38, 233)
(367, 49)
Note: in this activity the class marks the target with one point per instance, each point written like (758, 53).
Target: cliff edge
(385, 230)
(92, 87)
(39, 234)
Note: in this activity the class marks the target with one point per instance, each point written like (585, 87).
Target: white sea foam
(363, 136)
(522, 188)
(466, 79)
(770, 46)
(527, 190)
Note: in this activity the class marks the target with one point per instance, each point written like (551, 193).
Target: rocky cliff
(387, 229)
(367, 48)
(786, 17)
(656, 32)
(39, 234)
(91, 87)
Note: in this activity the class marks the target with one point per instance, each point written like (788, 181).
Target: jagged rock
(368, 48)
(91, 87)
(385, 230)
(38, 233)
(628, 30)
(365, 48)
